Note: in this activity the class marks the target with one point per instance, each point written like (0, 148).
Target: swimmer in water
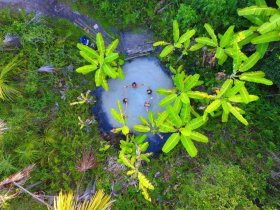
(149, 91)
(125, 101)
(147, 105)
(134, 85)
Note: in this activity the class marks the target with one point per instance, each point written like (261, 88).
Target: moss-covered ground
(233, 171)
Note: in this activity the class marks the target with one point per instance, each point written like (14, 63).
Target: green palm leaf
(89, 51)
(274, 23)
(268, 37)
(176, 32)
(168, 99)
(86, 69)
(112, 47)
(237, 114)
(206, 41)
(186, 36)
(171, 142)
(189, 146)
(198, 137)
(141, 128)
(98, 77)
(211, 32)
(226, 38)
(257, 10)
(250, 62)
(174, 118)
(111, 57)
(196, 123)
(166, 51)
(109, 71)
(100, 43)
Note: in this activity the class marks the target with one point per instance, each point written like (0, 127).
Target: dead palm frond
(67, 201)
(7, 191)
(87, 161)
(7, 92)
(19, 177)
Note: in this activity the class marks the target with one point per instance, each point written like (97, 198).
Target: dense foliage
(158, 15)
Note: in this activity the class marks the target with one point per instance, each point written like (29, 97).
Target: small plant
(149, 125)
(7, 92)
(83, 99)
(132, 156)
(67, 201)
(85, 124)
(132, 152)
(121, 118)
(104, 61)
(179, 42)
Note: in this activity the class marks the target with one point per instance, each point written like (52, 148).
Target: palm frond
(65, 201)
(100, 201)
(68, 201)
(7, 92)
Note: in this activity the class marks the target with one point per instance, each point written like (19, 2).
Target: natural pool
(148, 73)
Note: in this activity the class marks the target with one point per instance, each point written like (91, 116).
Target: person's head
(134, 84)
(147, 104)
(149, 91)
(125, 100)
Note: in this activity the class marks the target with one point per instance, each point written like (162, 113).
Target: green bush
(271, 65)
(187, 17)
(223, 186)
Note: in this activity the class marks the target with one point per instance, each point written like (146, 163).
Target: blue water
(147, 72)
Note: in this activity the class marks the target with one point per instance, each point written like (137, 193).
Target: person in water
(149, 91)
(125, 101)
(134, 85)
(147, 105)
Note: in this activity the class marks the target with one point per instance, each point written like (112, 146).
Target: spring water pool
(147, 72)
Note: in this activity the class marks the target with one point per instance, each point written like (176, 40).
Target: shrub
(187, 16)
(223, 186)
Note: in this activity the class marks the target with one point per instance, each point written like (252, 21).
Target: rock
(95, 27)
(46, 69)
(11, 41)
(67, 70)
(157, 174)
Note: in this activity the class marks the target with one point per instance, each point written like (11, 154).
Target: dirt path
(52, 8)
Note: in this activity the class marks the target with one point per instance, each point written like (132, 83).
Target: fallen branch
(33, 196)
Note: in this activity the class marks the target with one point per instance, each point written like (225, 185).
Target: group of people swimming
(149, 91)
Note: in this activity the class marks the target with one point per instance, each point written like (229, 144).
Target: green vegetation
(105, 61)
(236, 169)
